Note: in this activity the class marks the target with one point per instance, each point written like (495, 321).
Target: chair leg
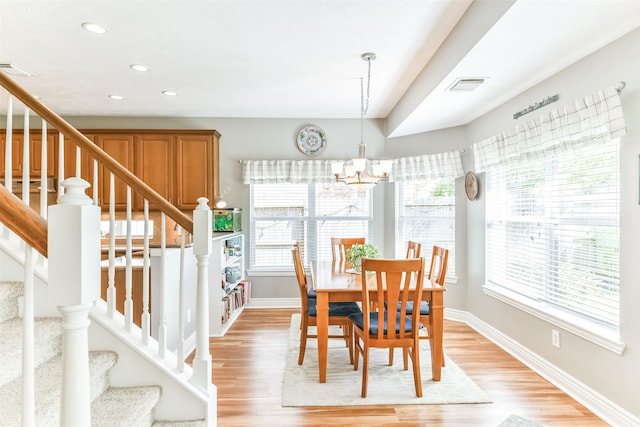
(415, 358)
(303, 342)
(365, 370)
(391, 350)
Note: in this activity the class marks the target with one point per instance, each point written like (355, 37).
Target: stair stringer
(141, 365)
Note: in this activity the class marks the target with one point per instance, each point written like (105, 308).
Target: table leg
(436, 320)
(322, 321)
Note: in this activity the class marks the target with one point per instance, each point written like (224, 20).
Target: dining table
(334, 282)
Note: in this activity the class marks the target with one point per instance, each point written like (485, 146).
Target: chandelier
(355, 173)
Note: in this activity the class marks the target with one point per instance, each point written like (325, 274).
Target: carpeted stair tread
(47, 388)
(9, 293)
(128, 406)
(47, 341)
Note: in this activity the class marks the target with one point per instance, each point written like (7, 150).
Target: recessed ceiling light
(466, 84)
(94, 28)
(14, 70)
(169, 93)
(118, 97)
(138, 67)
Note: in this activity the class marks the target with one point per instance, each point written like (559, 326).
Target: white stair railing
(74, 318)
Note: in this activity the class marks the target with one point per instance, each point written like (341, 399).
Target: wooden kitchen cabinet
(154, 164)
(197, 170)
(120, 147)
(74, 156)
(35, 153)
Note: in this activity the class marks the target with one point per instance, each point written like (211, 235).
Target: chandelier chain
(364, 107)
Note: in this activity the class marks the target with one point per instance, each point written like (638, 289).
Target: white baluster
(28, 351)
(202, 229)
(128, 302)
(25, 159)
(111, 273)
(95, 181)
(181, 302)
(146, 317)
(162, 327)
(44, 190)
(8, 150)
(78, 163)
(74, 285)
(60, 164)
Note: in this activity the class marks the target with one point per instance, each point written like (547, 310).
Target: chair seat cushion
(358, 319)
(424, 308)
(335, 308)
(311, 294)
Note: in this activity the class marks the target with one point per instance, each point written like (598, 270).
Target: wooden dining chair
(437, 274)
(339, 246)
(338, 311)
(413, 249)
(389, 328)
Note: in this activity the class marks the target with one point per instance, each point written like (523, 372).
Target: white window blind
(553, 230)
(552, 210)
(310, 214)
(425, 212)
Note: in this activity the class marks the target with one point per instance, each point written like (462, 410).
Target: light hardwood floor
(248, 365)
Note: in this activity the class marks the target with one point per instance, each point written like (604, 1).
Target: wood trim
(94, 151)
(24, 221)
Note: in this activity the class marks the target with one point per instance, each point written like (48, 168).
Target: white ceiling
(300, 58)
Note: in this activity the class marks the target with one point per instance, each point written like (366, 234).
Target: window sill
(265, 272)
(594, 333)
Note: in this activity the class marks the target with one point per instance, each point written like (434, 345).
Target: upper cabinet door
(16, 154)
(120, 147)
(35, 155)
(154, 164)
(194, 170)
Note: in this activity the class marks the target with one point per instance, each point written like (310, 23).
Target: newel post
(202, 229)
(74, 285)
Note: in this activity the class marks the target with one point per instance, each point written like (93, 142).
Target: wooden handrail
(24, 221)
(85, 143)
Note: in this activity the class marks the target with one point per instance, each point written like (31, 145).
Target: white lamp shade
(336, 167)
(359, 164)
(349, 170)
(386, 166)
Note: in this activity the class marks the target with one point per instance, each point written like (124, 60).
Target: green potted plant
(359, 251)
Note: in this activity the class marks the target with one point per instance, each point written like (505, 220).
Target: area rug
(388, 385)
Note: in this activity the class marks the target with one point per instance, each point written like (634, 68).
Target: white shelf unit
(229, 292)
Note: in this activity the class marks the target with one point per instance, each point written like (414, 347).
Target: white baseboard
(594, 401)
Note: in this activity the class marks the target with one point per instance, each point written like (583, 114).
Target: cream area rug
(388, 385)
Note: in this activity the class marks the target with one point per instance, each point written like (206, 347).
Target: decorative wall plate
(311, 140)
(471, 185)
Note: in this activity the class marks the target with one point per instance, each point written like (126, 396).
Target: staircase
(110, 406)
(67, 356)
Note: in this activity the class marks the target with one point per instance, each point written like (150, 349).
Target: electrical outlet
(555, 338)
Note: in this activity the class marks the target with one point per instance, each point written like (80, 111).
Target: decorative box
(229, 219)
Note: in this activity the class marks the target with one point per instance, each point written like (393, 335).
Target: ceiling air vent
(14, 70)
(466, 85)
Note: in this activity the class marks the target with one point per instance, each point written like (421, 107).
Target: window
(552, 231)
(425, 212)
(308, 213)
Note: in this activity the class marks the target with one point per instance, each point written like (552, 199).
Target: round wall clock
(311, 140)
(471, 185)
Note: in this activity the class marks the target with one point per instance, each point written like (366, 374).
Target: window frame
(603, 335)
(309, 220)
